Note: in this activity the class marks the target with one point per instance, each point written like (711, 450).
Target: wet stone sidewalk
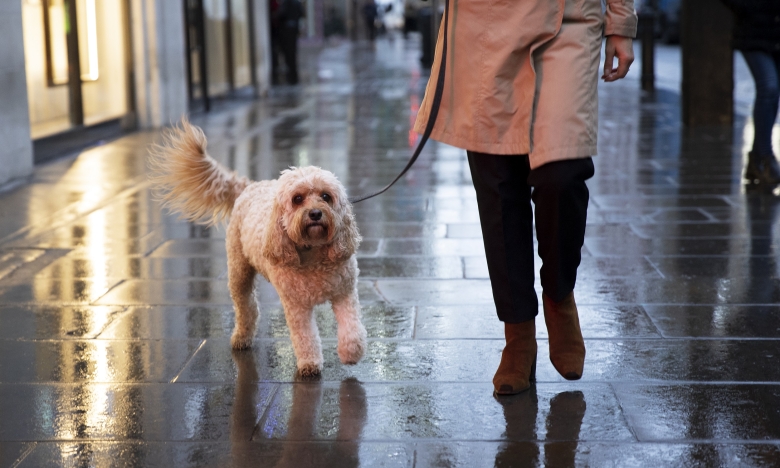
(115, 316)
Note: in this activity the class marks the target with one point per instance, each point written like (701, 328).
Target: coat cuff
(620, 18)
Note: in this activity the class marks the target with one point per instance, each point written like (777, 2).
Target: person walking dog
(520, 95)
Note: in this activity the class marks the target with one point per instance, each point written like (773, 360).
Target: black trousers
(505, 187)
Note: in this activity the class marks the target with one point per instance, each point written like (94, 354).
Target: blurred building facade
(71, 65)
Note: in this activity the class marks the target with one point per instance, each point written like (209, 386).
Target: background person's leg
(504, 200)
(764, 69)
(561, 200)
(289, 43)
(275, 51)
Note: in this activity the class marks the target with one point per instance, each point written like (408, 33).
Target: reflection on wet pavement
(115, 316)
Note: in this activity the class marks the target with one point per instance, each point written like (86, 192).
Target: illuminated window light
(92, 51)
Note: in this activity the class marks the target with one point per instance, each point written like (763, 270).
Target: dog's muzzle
(316, 231)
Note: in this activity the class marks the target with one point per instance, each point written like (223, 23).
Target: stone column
(159, 61)
(707, 63)
(16, 158)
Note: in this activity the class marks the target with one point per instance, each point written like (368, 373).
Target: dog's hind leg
(351, 332)
(241, 278)
(305, 337)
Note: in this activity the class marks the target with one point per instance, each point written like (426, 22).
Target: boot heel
(532, 377)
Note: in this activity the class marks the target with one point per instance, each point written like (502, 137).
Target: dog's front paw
(240, 341)
(351, 351)
(352, 342)
(309, 369)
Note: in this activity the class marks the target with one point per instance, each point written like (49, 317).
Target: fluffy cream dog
(298, 231)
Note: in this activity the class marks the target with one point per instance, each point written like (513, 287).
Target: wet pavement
(115, 316)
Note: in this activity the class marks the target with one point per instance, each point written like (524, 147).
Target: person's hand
(622, 48)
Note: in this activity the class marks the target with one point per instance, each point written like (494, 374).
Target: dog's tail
(189, 181)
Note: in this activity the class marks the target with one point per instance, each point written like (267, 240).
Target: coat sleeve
(620, 18)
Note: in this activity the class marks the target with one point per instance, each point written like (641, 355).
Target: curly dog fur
(298, 231)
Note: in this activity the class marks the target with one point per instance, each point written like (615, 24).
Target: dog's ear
(346, 239)
(277, 246)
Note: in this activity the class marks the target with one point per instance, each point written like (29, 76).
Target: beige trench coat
(522, 76)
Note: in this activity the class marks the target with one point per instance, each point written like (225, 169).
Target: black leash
(431, 117)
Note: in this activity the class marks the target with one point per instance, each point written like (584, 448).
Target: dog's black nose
(315, 215)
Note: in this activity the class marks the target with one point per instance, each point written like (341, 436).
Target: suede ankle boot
(567, 348)
(518, 360)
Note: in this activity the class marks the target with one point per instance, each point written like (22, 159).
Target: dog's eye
(297, 199)
(326, 198)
